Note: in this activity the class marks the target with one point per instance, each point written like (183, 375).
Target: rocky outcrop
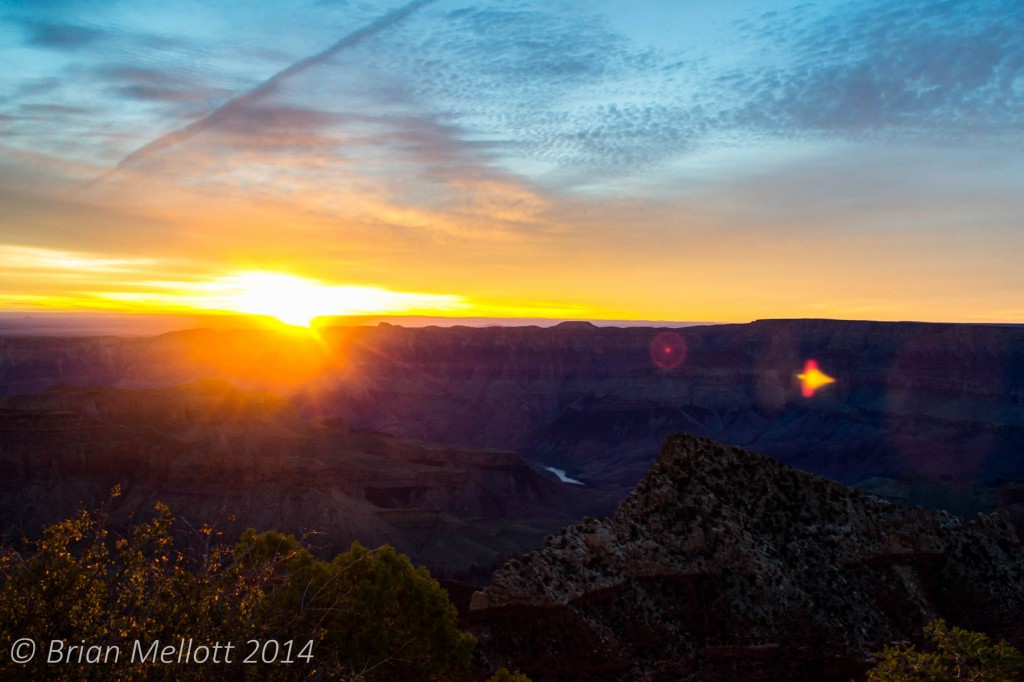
(723, 564)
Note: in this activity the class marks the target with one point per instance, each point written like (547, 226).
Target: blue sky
(664, 160)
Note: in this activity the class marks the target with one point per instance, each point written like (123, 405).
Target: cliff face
(725, 565)
(925, 413)
(237, 458)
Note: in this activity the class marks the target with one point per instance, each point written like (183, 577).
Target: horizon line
(118, 323)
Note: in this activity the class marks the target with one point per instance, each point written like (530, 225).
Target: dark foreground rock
(726, 565)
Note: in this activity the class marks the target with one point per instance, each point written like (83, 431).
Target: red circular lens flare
(668, 350)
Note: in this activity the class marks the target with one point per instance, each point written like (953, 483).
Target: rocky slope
(724, 565)
(237, 458)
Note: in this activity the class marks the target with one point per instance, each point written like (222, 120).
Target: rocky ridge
(723, 564)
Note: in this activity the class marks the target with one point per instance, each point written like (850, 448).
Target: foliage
(503, 675)
(955, 654)
(371, 609)
(370, 614)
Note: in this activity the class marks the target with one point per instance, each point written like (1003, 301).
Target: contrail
(265, 88)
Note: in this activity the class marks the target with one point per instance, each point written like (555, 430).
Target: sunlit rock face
(724, 565)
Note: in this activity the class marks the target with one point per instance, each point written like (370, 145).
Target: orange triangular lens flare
(812, 378)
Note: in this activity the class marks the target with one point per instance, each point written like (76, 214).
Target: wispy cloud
(226, 111)
(938, 71)
(61, 35)
(559, 96)
(28, 258)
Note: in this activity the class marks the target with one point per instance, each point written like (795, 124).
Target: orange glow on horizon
(297, 301)
(526, 284)
(812, 378)
(289, 299)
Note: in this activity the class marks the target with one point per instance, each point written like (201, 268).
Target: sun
(293, 300)
(297, 301)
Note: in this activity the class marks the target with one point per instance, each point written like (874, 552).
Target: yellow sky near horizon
(705, 282)
(608, 258)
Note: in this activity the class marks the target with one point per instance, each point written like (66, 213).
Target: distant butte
(575, 324)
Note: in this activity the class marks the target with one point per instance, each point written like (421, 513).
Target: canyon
(929, 414)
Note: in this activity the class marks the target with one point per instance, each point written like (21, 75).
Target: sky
(594, 159)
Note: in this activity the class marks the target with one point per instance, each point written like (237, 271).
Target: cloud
(171, 85)
(551, 93)
(266, 87)
(563, 96)
(505, 107)
(937, 71)
(62, 36)
(532, 81)
(28, 258)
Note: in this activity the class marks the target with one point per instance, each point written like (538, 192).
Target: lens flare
(668, 350)
(812, 378)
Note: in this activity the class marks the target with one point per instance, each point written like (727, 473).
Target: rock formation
(723, 565)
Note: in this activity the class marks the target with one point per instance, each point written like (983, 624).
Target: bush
(956, 654)
(369, 614)
(503, 675)
(373, 612)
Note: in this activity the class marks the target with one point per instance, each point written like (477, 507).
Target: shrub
(370, 614)
(503, 675)
(955, 654)
(372, 611)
